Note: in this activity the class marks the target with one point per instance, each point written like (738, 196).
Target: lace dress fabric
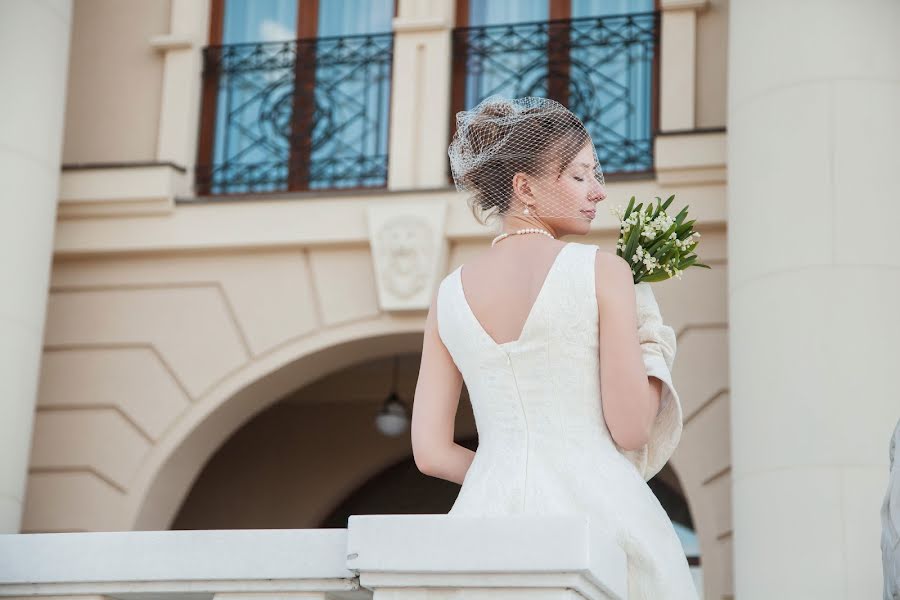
(543, 444)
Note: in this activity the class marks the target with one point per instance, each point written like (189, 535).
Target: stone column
(678, 63)
(34, 53)
(814, 278)
(182, 78)
(420, 95)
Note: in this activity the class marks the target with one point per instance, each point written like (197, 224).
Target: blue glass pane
(352, 97)
(259, 103)
(253, 112)
(514, 71)
(610, 81)
(600, 66)
(352, 17)
(259, 21)
(500, 12)
(600, 8)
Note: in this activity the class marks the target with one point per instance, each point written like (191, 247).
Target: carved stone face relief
(405, 247)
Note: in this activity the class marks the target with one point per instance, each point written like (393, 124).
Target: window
(296, 95)
(598, 57)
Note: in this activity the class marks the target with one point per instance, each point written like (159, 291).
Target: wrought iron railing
(295, 115)
(603, 68)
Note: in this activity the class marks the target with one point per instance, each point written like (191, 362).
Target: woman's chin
(572, 226)
(582, 227)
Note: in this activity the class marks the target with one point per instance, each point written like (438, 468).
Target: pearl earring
(526, 210)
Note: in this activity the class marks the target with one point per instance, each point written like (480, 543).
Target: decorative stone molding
(695, 5)
(119, 190)
(694, 158)
(168, 41)
(412, 25)
(409, 252)
(405, 244)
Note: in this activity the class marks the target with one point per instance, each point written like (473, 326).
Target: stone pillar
(814, 278)
(182, 78)
(34, 53)
(678, 62)
(420, 95)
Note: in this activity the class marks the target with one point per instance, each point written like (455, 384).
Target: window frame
(304, 91)
(557, 10)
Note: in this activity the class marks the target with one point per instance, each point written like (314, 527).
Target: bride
(566, 361)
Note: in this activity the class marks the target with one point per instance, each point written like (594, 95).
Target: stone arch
(166, 476)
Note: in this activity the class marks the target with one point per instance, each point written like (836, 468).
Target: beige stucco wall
(712, 61)
(115, 81)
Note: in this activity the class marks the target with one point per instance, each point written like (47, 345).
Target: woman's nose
(599, 192)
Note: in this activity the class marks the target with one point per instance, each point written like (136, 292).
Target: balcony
(605, 69)
(313, 114)
(299, 115)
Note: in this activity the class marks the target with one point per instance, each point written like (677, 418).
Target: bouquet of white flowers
(655, 245)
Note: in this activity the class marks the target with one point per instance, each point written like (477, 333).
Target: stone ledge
(142, 189)
(504, 554)
(691, 158)
(127, 564)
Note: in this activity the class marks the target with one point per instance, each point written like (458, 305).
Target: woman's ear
(521, 186)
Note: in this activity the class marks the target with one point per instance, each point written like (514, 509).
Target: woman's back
(535, 395)
(501, 288)
(501, 291)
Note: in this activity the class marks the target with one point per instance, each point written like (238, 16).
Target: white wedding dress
(543, 445)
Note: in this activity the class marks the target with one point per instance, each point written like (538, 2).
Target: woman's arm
(434, 409)
(631, 400)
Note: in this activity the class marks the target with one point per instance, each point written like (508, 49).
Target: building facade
(226, 220)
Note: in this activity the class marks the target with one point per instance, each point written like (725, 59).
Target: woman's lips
(590, 213)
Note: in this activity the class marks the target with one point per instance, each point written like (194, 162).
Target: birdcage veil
(536, 136)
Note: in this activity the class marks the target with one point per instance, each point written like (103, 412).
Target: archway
(164, 479)
(291, 463)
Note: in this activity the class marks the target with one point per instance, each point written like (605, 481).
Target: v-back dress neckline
(524, 331)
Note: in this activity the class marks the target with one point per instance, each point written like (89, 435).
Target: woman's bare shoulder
(610, 263)
(612, 274)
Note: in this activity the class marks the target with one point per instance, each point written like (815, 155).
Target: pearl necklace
(526, 230)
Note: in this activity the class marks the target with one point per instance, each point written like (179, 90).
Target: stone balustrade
(378, 556)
